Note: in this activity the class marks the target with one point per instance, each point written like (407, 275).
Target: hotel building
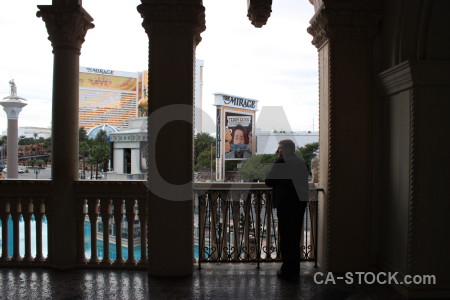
(107, 97)
(111, 97)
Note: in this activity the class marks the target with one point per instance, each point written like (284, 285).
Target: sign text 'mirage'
(245, 103)
(100, 71)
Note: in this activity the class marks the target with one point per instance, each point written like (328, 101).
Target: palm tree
(85, 149)
(22, 140)
(35, 135)
(90, 161)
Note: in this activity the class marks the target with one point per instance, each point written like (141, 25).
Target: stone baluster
(82, 217)
(16, 211)
(142, 214)
(130, 205)
(39, 211)
(118, 218)
(93, 217)
(105, 213)
(4, 215)
(27, 212)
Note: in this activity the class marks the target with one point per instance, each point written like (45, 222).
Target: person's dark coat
(289, 180)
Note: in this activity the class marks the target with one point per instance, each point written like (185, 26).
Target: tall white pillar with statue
(13, 105)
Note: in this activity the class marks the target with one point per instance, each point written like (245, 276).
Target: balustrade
(233, 223)
(113, 209)
(237, 223)
(24, 200)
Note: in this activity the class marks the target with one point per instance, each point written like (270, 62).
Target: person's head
(238, 135)
(286, 147)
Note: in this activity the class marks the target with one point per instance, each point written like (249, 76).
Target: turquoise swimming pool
(87, 242)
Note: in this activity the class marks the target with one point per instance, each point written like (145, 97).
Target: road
(43, 174)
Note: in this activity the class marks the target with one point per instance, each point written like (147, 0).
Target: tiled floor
(214, 281)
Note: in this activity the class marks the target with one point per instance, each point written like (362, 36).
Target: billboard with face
(238, 135)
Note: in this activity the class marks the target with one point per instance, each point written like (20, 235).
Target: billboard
(101, 81)
(238, 135)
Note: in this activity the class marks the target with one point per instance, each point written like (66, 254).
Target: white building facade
(129, 159)
(267, 142)
(29, 132)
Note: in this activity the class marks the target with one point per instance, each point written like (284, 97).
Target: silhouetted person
(289, 179)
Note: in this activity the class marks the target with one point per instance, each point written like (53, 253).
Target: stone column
(173, 28)
(135, 159)
(67, 23)
(118, 161)
(343, 34)
(12, 109)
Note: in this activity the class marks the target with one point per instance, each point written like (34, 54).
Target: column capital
(67, 25)
(357, 22)
(12, 109)
(173, 19)
(258, 11)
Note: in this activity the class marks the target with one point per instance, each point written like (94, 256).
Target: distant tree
(36, 145)
(204, 160)
(94, 152)
(102, 140)
(202, 142)
(82, 135)
(100, 154)
(22, 140)
(308, 152)
(31, 163)
(48, 142)
(85, 149)
(91, 162)
(40, 163)
(257, 167)
(102, 137)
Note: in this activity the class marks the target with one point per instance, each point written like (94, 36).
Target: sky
(275, 64)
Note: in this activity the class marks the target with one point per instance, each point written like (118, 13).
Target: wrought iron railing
(237, 223)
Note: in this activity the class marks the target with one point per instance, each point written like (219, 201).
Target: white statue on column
(13, 87)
